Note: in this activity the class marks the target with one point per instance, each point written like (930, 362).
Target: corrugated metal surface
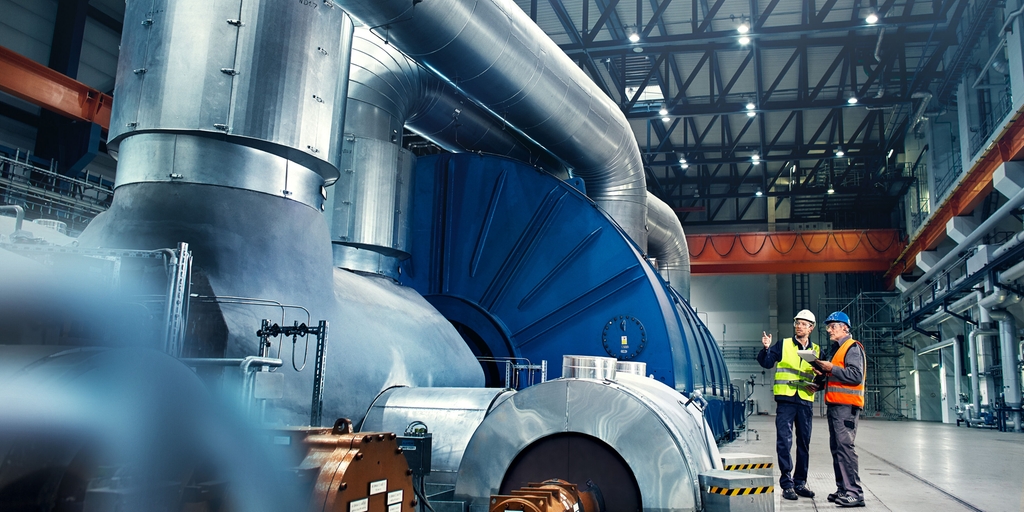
(99, 56)
(27, 27)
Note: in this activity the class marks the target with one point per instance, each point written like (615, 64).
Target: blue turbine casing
(526, 266)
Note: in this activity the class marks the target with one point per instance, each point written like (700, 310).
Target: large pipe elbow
(667, 244)
(492, 50)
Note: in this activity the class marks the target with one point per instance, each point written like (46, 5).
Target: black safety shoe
(802, 490)
(789, 494)
(832, 497)
(849, 501)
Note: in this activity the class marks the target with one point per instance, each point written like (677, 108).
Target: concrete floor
(908, 466)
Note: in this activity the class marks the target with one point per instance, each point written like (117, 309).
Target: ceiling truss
(686, 84)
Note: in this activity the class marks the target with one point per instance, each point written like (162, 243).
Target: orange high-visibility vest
(837, 393)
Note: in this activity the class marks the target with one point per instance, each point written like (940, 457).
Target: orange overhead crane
(805, 252)
(35, 83)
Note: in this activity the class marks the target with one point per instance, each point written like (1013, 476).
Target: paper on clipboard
(807, 355)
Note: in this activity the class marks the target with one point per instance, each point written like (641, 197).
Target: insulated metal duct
(386, 91)
(228, 127)
(667, 244)
(1008, 354)
(260, 75)
(492, 50)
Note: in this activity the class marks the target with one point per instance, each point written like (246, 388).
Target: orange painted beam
(805, 252)
(971, 191)
(35, 83)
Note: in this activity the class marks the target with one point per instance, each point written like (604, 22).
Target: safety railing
(43, 190)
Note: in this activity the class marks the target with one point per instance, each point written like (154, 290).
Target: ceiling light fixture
(871, 19)
(758, 193)
(634, 37)
(666, 119)
(751, 113)
(891, 151)
(840, 153)
(663, 111)
(744, 40)
(830, 189)
(755, 159)
(743, 28)
(685, 165)
(852, 100)
(750, 105)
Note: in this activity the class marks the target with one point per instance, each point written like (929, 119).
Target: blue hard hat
(838, 316)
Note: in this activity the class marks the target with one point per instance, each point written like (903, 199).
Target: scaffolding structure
(877, 325)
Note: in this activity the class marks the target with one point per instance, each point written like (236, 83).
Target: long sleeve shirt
(853, 365)
(769, 357)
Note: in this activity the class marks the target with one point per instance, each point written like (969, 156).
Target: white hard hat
(804, 314)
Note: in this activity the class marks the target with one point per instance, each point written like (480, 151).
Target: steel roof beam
(726, 38)
(729, 108)
(570, 29)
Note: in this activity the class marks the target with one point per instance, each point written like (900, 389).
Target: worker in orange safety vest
(844, 397)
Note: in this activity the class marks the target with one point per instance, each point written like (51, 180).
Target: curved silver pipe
(493, 51)
(19, 215)
(975, 368)
(667, 243)
(447, 117)
(1011, 375)
(385, 79)
(387, 91)
(925, 97)
(878, 46)
(369, 230)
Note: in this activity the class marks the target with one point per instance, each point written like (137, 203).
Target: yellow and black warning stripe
(741, 467)
(741, 491)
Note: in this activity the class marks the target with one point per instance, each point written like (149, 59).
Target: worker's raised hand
(766, 339)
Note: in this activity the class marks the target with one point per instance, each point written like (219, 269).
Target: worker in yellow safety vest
(794, 397)
(844, 398)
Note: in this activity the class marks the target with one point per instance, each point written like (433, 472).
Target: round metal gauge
(624, 337)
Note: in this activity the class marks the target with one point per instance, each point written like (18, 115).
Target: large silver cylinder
(169, 157)
(370, 206)
(588, 367)
(639, 419)
(631, 367)
(451, 415)
(266, 74)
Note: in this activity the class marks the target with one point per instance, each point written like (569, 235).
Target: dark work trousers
(786, 415)
(842, 431)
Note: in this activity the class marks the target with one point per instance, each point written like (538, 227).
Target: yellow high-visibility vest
(793, 374)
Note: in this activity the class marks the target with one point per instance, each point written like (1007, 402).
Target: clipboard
(807, 355)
